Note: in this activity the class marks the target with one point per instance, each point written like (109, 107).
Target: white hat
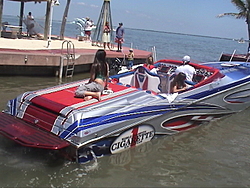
(131, 50)
(186, 58)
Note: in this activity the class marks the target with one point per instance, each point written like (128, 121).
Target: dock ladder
(68, 55)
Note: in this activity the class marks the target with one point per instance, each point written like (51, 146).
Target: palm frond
(241, 5)
(235, 15)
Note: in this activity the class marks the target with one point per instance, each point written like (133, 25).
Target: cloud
(137, 14)
(87, 5)
(94, 6)
(144, 16)
(81, 3)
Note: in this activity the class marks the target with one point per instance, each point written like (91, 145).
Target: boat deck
(62, 96)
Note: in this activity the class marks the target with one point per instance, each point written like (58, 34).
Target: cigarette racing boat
(137, 108)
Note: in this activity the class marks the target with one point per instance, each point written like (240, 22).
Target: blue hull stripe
(210, 92)
(88, 123)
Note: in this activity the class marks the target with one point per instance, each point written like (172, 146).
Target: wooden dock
(33, 57)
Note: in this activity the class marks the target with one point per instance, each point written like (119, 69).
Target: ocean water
(168, 45)
(213, 155)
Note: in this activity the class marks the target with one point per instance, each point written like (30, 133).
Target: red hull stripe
(45, 108)
(186, 128)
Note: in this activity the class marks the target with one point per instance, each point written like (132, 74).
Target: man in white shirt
(186, 69)
(88, 27)
(30, 23)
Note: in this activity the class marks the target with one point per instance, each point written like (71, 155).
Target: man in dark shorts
(119, 37)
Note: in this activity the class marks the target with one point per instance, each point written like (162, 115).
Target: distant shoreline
(169, 32)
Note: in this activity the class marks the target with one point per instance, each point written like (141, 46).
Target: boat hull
(136, 112)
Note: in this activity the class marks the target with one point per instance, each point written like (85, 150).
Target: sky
(197, 17)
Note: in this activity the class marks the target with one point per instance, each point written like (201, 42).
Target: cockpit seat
(145, 80)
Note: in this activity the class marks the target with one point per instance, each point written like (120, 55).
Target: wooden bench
(14, 30)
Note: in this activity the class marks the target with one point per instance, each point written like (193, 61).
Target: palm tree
(1, 13)
(244, 13)
(64, 20)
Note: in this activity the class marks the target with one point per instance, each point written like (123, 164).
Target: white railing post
(232, 55)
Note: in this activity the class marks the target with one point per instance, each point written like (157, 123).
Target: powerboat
(234, 56)
(137, 108)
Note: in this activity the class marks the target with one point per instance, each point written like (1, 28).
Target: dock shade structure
(105, 16)
(48, 14)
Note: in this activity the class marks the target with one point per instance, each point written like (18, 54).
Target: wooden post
(21, 17)
(47, 19)
(1, 15)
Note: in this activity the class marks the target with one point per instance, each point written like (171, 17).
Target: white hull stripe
(180, 126)
(199, 118)
(60, 87)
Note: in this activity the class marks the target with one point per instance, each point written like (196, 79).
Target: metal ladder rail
(70, 58)
(232, 55)
(248, 57)
(154, 54)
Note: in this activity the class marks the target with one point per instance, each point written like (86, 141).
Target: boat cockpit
(144, 79)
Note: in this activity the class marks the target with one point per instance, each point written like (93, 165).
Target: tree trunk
(64, 20)
(248, 29)
(1, 16)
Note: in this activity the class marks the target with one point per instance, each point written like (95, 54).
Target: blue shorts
(130, 64)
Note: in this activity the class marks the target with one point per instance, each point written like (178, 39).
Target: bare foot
(87, 98)
(98, 96)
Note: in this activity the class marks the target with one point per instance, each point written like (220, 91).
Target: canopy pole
(47, 19)
(21, 17)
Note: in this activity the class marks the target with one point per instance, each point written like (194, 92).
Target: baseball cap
(186, 58)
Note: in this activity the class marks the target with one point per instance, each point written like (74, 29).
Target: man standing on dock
(31, 26)
(30, 23)
(119, 37)
(88, 28)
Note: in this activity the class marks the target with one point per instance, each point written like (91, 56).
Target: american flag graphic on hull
(183, 123)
